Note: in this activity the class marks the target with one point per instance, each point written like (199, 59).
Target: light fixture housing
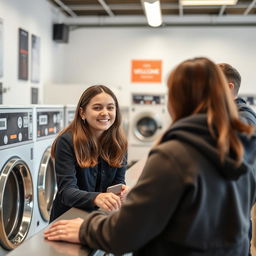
(207, 2)
(153, 12)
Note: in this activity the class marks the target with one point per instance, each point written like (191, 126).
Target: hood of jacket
(193, 130)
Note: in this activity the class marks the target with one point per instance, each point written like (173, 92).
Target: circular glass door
(16, 202)
(146, 127)
(47, 185)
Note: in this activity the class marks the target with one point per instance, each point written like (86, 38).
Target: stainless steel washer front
(47, 185)
(16, 202)
(146, 126)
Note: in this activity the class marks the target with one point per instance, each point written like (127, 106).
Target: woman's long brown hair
(112, 145)
(198, 85)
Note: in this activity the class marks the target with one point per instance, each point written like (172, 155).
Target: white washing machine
(48, 122)
(148, 120)
(16, 181)
(125, 119)
(69, 114)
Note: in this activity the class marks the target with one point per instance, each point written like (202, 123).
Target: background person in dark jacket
(234, 81)
(90, 155)
(198, 185)
(245, 112)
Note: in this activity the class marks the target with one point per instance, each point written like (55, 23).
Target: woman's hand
(108, 201)
(124, 192)
(65, 230)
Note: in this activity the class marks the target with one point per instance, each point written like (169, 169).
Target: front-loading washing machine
(69, 114)
(148, 120)
(16, 181)
(48, 122)
(125, 119)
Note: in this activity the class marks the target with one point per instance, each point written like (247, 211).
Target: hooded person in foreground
(198, 185)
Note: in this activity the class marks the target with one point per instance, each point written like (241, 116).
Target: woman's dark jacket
(186, 201)
(78, 187)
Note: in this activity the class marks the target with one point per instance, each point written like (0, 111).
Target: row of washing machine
(148, 120)
(27, 177)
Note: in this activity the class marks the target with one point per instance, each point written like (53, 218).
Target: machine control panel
(70, 111)
(49, 123)
(16, 126)
(141, 99)
(70, 114)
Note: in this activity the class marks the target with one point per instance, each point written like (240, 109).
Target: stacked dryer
(16, 181)
(148, 120)
(48, 122)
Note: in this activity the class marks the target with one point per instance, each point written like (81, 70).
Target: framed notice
(23, 55)
(35, 59)
(1, 49)
(146, 71)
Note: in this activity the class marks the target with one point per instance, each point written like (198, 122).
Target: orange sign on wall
(146, 71)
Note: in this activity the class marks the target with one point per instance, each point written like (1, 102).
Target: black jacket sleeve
(65, 167)
(120, 173)
(148, 208)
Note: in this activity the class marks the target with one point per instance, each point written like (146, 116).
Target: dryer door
(47, 185)
(146, 127)
(16, 202)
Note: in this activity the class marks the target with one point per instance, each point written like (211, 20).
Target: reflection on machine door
(15, 210)
(47, 185)
(146, 128)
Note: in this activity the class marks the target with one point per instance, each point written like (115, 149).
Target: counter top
(38, 246)
(133, 173)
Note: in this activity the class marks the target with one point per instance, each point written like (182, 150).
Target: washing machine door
(146, 126)
(16, 202)
(47, 185)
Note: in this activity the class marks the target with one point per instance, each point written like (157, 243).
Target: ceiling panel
(244, 10)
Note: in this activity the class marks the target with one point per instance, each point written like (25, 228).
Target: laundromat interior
(52, 50)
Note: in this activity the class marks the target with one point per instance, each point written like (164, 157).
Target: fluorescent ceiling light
(153, 12)
(208, 2)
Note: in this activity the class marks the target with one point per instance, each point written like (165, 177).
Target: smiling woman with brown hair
(90, 155)
(198, 185)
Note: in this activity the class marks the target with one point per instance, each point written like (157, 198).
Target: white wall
(36, 17)
(103, 55)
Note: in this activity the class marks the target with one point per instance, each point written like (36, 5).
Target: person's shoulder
(66, 136)
(243, 105)
(171, 147)
(240, 100)
(246, 113)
